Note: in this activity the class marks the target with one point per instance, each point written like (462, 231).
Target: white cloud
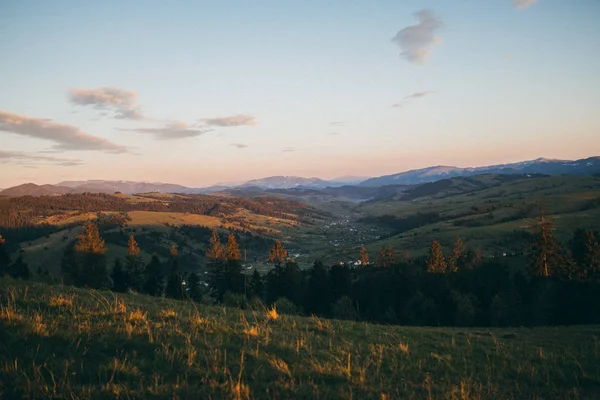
(123, 103)
(173, 130)
(20, 157)
(65, 137)
(413, 96)
(234, 120)
(417, 41)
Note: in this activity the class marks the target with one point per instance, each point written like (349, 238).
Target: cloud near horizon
(123, 103)
(65, 137)
(234, 120)
(417, 41)
(32, 157)
(239, 145)
(522, 4)
(173, 130)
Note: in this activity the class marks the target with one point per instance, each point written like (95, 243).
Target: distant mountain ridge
(586, 166)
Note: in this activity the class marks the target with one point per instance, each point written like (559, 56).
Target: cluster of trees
(559, 284)
(84, 264)
(17, 268)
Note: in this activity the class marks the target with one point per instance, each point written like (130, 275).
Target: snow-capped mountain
(586, 166)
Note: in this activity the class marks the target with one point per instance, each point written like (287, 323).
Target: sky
(203, 92)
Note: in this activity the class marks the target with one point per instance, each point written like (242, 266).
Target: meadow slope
(62, 342)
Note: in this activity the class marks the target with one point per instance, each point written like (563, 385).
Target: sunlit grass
(61, 342)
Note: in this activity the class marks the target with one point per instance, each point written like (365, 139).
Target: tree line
(558, 285)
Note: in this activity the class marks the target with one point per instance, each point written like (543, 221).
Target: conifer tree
(319, 289)
(232, 252)
(278, 254)
(91, 261)
(456, 260)
(364, 257)
(193, 284)
(387, 257)
(120, 277)
(135, 266)
(546, 255)
(592, 258)
(257, 286)
(154, 283)
(174, 287)
(436, 264)
(5, 260)
(69, 267)
(215, 250)
(19, 269)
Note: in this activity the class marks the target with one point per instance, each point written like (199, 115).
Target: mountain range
(586, 166)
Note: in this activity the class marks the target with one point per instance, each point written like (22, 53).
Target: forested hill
(18, 211)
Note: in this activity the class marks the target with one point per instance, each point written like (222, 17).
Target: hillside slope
(62, 342)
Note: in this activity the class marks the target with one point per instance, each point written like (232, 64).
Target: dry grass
(137, 317)
(133, 346)
(61, 301)
(271, 314)
(167, 313)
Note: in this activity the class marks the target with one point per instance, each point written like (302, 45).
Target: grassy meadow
(62, 342)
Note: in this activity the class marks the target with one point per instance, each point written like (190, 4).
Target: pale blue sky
(500, 84)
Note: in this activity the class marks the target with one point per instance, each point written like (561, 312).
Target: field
(61, 342)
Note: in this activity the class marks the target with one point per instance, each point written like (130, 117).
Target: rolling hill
(63, 342)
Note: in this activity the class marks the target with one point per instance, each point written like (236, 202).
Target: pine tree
(193, 285)
(436, 264)
(592, 258)
(154, 283)
(546, 255)
(364, 257)
(92, 263)
(278, 254)
(134, 267)
(69, 267)
(174, 287)
(234, 280)
(387, 257)
(257, 286)
(456, 260)
(120, 277)
(89, 241)
(215, 250)
(5, 260)
(319, 289)
(232, 251)
(19, 269)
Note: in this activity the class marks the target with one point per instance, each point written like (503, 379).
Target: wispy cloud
(413, 96)
(20, 157)
(65, 137)
(239, 145)
(337, 123)
(416, 41)
(522, 4)
(334, 133)
(122, 103)
(173, 130)
(288, 150)
(234, 120)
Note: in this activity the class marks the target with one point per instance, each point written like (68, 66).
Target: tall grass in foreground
(62, 342)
